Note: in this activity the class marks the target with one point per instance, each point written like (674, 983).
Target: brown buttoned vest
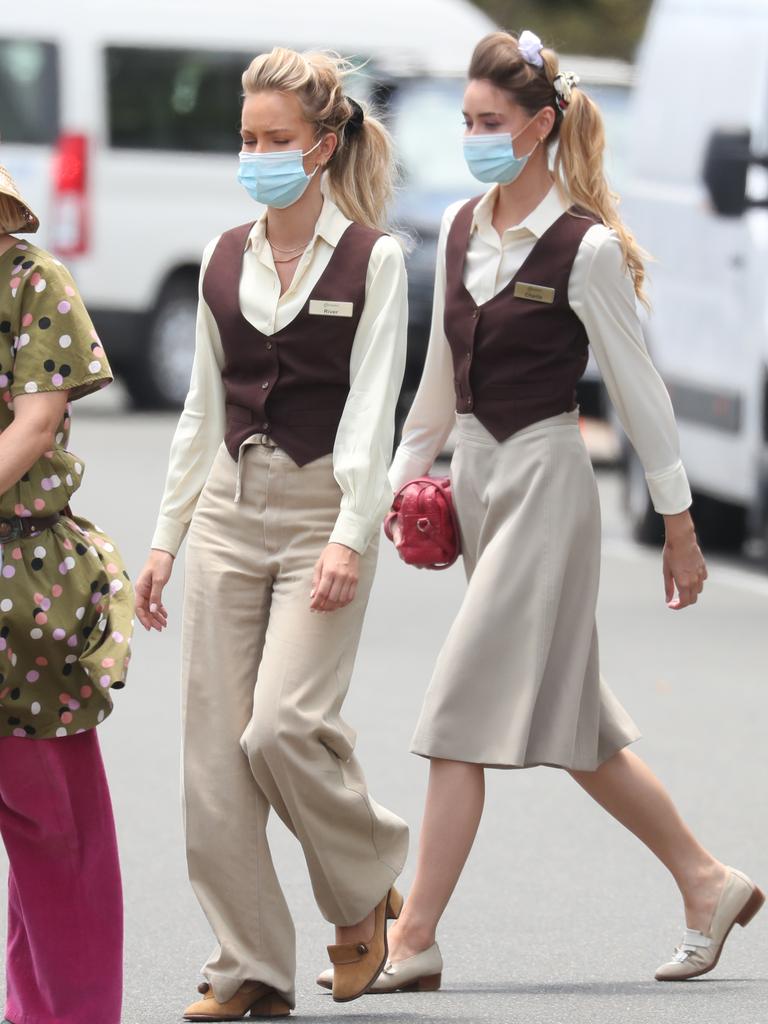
(292, 384)
(518, 357)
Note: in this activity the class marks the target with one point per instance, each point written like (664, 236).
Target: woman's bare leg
(452, 813)
(627, 788)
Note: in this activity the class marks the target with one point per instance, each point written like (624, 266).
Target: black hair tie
(355, 122)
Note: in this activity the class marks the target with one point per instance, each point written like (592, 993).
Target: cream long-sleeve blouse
(363, 446)
(601, 294)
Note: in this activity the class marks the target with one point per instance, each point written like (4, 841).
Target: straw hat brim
(28, 223)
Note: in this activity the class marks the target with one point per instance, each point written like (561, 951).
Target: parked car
(708, 332)
(119, 122)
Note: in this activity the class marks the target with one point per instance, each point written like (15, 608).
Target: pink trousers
(65, 908)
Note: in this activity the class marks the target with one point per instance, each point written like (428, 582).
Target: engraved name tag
(320, 307)
(536, 292)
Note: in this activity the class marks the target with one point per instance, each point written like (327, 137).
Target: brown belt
(25, 526)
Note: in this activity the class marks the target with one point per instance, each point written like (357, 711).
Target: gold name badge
(319, 307)
(535, 292)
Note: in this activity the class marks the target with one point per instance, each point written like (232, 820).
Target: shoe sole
(253, 1014)
(429, 983)
(745, 915)
(261, 1009)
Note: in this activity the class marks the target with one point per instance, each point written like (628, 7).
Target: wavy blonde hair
(580, 134)
(361, 172)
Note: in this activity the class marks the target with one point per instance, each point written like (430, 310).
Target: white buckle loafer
(699, 953)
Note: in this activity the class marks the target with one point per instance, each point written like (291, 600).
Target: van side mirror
(727, 161)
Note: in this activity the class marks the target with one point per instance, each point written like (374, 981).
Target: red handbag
(427, 527)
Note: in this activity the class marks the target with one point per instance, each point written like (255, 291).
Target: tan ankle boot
(357, 965)
(252, 997)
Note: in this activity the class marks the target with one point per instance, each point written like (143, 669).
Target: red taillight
(70, 181)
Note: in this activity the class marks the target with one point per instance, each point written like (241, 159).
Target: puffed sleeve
(602, 296)
(432, 414)
(363, 447)
(199, 432)
(57, 348)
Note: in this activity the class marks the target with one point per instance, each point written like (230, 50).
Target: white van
(702, 69)
(119, 122)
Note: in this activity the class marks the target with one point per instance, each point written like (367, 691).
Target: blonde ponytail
(580, 172)
(578, 132)
(361, 172)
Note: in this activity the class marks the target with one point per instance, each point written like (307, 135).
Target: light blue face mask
(275, 179)
(491, 158)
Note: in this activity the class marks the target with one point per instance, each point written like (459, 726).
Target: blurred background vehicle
(122, 130)
(687, 182)
(120, 126)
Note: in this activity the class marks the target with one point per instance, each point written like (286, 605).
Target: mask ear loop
(311, 150)
(525, 127)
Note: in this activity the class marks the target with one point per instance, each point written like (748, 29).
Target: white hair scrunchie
(530, 47)
(564, 83)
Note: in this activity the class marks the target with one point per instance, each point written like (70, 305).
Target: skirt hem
(508, 766)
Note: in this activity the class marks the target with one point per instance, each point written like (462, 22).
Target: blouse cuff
(669, 489)
(169, 533)
(405, 466)
(353, 531)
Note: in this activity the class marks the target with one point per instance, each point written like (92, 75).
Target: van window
(614, 101)
(29, 87)
(426, 121)
(190, 99)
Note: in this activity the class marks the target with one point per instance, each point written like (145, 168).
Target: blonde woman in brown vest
(527, 277)
(279, 470)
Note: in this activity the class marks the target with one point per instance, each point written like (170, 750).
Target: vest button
(469, 403)
(269, 345)
(265, 385)
(475, 313)
(265, 426)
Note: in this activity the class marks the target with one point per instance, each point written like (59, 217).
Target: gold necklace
(295, 248)
(288, 259)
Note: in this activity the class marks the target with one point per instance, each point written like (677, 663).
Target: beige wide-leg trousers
(264, 679)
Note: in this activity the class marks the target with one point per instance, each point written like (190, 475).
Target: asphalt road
(561, 917)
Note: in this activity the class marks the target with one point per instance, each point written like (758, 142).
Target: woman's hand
(334, 584)
(150, 610)
(683, 562)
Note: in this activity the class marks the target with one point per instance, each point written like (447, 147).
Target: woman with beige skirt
(529, 277)
(279, 470)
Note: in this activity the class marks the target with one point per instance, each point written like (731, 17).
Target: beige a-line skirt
(517, 682)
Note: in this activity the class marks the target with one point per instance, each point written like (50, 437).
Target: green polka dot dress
(66, 603)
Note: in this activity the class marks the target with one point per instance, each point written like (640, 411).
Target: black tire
(646, 524)
(159, 377)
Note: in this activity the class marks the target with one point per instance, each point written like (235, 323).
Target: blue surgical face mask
(275, 179)
(491, 158)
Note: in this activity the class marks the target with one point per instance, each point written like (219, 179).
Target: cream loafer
(698, 953)
(419, 973)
